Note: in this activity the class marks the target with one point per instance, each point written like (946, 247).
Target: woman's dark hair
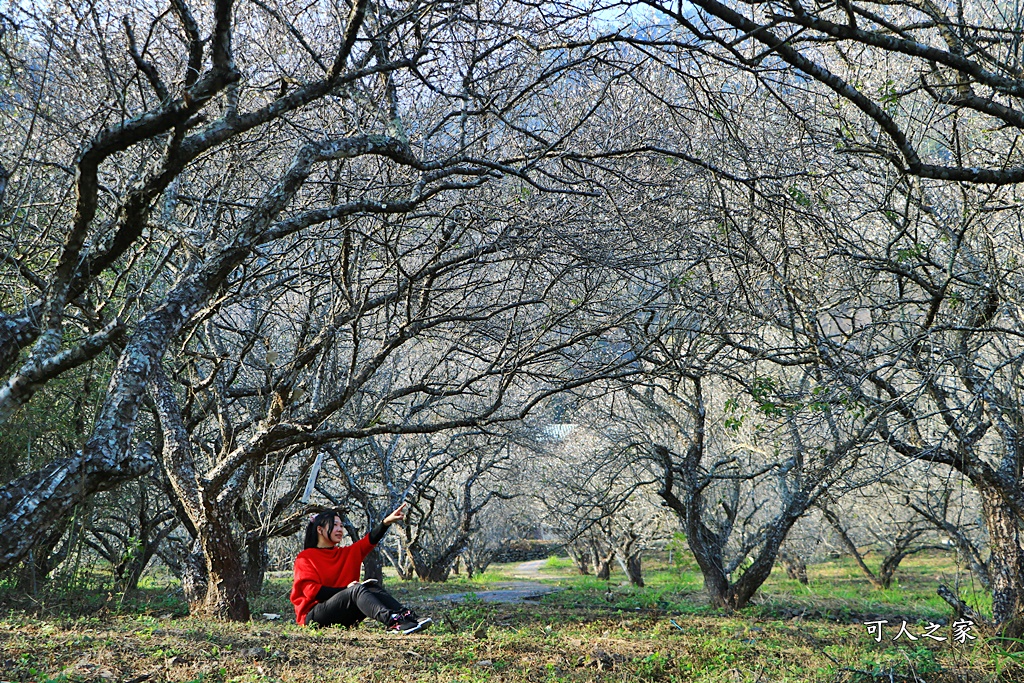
(325, 518)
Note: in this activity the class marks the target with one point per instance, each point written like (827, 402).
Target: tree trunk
(758, 572)
(580, 558)
(135, 565)
(706, 547)
(602, 564)
(373, 567)
(126, 569)
(31, 505)
(963, 543)
(1006, 563)
(399, 561)
(716, 583)
(257, 560)
(405, 570)
(794, 565)
(851, 548)
(707, 550)
(194, 580)
(435, 572)
(634, 570)
(130, 575)
(890, 563)
(226, 595)
(436, 568)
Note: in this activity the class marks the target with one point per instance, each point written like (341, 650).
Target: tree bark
(32, 504)
(373, 566)
(152, 533)
(602, 563)
(851, 548)
(226, 594)
(435, 573)
(634, 570)
(628, 554)
(435, 570)
(757, 573)
(963, 543)
(580, 558)
(256, 560)
(194, 580)
(226, 590)
(794, 565)
(890, 563)
(1006, 563)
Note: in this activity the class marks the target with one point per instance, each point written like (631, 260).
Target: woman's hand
(397, 516)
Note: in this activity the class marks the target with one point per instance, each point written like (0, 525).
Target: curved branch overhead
(934, 86)
(629, 267)
(183, 181)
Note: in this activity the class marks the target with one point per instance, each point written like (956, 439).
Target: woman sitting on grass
(327, 589)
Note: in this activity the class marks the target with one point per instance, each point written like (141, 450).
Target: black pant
(349, 606)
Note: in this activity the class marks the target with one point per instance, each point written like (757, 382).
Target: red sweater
(318, 567)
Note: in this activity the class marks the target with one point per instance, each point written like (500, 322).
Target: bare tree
(447, 504)
(898, 536)
(594, 499)
(498, 525)
(231, 163)
(950, 512)
(927, 91)
(449, 480)
(127, 528)
(913, 328)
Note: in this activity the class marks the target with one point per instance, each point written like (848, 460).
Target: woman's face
(336, 534)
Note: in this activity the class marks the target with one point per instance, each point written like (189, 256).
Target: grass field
(589, 631)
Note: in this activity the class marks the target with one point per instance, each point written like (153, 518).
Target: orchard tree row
(726, 270)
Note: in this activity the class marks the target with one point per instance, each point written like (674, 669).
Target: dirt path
(532, 570)
(513, 591)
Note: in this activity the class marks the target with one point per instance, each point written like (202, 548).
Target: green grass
(555, 563)
(591, 630)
